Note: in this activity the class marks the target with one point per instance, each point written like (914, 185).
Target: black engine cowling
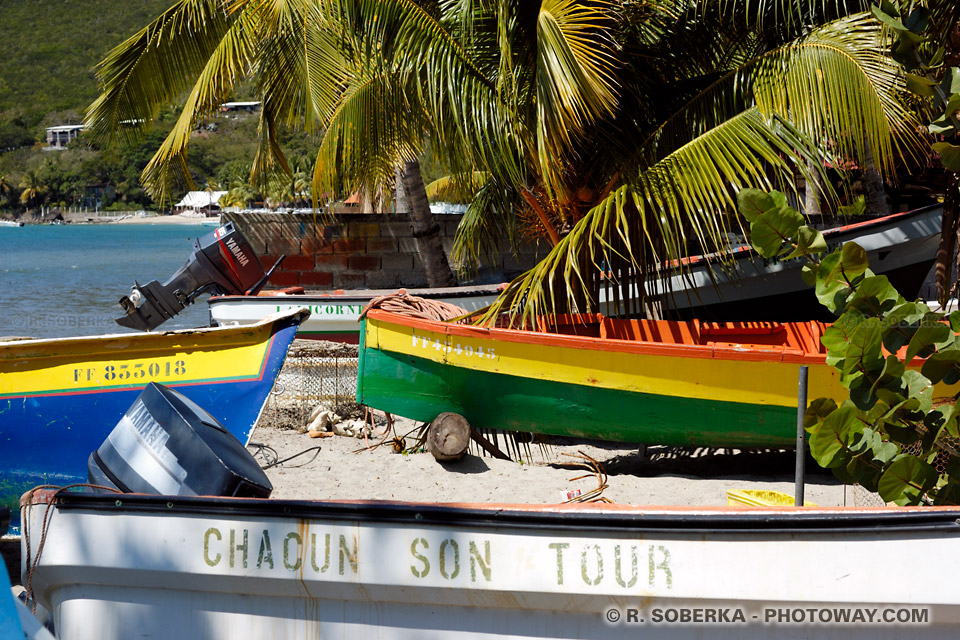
(223, 263)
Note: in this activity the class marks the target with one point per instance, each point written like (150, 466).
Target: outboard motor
(223, 263)
(165, 444)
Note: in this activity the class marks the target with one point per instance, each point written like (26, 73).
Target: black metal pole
(801, 437)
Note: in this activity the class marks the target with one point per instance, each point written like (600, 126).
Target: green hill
(48, 50)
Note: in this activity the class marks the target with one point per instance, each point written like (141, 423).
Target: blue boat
(60, 398)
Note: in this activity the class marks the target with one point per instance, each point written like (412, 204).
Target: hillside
(48, 49)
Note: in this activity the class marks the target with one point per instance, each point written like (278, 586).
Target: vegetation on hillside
(48, 49)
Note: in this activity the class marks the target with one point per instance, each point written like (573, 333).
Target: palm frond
(374, 126)
(840, 84)
(575, 72)
(225, 66)
(682, 204)
(489, 225)
(458, 187)
(154, 67)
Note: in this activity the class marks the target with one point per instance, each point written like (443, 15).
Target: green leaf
(809, 242)
(917, 20)
(768, 232)
(951, 81)
(856, 208)
(882, 450)
(893, 370)
(951, 424)
(942, 126)
(907, 478)
(927, 337)
(830, 439)
(863, 348)
(905, 50)
(753, 202)
(953, 105)
(838, 272)
(874, 296)
(809, 274)
(888, 15)
(817, 411)
(949, 155)
(948, 494)
(954, 319)
(901, 323)
(921, 85)
(919, 390)
(943, 366)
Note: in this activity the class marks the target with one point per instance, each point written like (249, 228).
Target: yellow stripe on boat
(679, 371)
(82, 365)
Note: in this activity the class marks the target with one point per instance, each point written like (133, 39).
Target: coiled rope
(415, 307)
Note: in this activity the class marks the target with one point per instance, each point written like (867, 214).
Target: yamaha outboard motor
(223, 263)
(166, 444)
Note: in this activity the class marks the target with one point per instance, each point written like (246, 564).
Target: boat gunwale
(746, 251)
(355, 295)
(564, 517)
(738, 352)
(206, 338)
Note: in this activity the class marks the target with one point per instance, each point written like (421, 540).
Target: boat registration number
(131, 371)
(459, 349)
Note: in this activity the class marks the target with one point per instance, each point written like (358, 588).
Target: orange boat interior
(799, 336)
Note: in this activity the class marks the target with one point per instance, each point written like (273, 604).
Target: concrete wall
(356, 251)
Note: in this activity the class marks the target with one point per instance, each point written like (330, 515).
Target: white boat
(10, 223)
(129, 565)
(901, 246)
(334, 315)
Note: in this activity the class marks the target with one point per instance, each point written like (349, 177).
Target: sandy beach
(173, 219)
(343, 469)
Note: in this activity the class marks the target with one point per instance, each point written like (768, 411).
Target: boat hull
(901, 246)
(60, 398)
(335, 316)
(672, 394)
(170, 567)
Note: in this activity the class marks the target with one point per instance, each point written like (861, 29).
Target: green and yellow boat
(644, 381)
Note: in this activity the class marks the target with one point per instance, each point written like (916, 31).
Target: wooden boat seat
(658, 331)
(794, 336)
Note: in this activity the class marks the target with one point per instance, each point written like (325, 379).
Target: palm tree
(622, 133)
(619, 134)
(33, 190)
(202, 49)
(6, 188)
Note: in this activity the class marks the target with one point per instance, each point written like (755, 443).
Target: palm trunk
(425, 228)
(946, 253)
(875, 195)
(812, 190)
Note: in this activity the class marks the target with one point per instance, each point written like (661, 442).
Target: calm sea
(65, 280)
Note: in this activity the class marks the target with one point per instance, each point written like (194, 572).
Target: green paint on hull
(422, 389)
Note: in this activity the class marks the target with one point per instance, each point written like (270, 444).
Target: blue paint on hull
(47, 439)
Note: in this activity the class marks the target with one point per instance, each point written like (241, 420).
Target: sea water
(66, 280)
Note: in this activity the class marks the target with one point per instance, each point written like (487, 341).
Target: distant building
(205, 202)
(249, 107)
(58, 137)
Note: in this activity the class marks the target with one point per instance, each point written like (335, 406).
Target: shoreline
(127, 219)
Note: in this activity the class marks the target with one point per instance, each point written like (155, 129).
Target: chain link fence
(315, 372)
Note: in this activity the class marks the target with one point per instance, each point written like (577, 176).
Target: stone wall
(356, 251)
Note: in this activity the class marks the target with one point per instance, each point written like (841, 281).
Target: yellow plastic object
(755, 498)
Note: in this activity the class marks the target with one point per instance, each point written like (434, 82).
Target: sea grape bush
(898, 433)
(922, 56)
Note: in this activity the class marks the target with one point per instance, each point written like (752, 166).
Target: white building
(205, 202)
(58, 137)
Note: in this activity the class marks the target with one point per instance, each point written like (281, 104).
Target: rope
(27, 500)
(415, 307)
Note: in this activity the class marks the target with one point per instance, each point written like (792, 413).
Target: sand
(166, 220)
(343, 470)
